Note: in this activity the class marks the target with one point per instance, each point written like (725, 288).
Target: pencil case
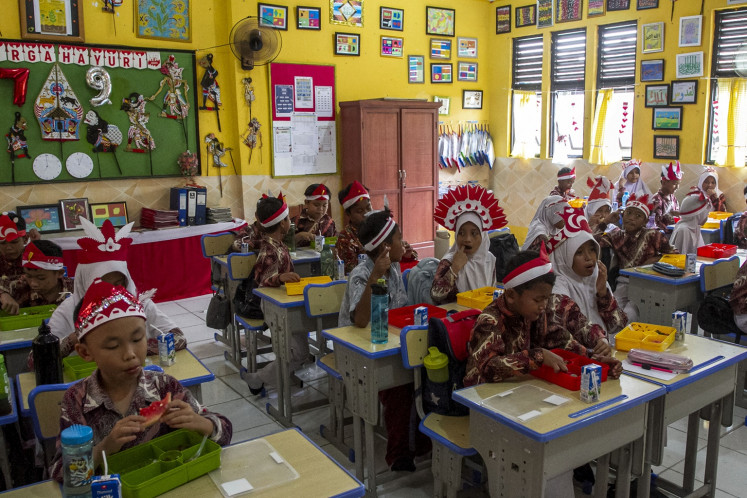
(666, 361)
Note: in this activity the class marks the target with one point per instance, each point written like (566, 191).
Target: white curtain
(526, 119)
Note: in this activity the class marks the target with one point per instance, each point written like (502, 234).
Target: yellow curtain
(605, 145)
(732, 104)
(525, 124)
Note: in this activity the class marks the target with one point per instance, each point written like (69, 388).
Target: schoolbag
(245, 303)
(504, 247)
(451, 336)
(715, 316)
(729, 226)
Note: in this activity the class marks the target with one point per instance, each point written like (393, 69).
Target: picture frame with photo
(308, 18)
(347, 44)
(652, 70)
(392, 46)
(526, 15)
(568, 10)
(416, 69)
(503, 19)
(116, 212)
(441, 73)
(614, 5)
(647, 4)
(390, 18)
(440, 48)
(65, 29)
(689, 65)
(439, 21)
(43, 217)
(445, 104)
(466, 71)
(652, 37)
(657, 95)
(666, 147)
(666, 118)
(596, 8)
(691, 28)
(471, 99)
(273, 16)
(466, 48)
(72, 210)
(684, 92)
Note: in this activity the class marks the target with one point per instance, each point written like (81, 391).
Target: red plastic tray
(574, 363)
(717, 251)
(404, 316)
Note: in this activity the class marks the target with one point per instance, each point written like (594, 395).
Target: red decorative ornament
(20, 76)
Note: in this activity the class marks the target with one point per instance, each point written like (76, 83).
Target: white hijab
(544, 219)
(638, 187)
(583, 290)
(480, 268)
(686, 236)
(703, 176)
(593, 206)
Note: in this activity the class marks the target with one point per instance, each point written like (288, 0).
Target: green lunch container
(436, 365)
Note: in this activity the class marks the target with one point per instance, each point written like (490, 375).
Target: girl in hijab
(598, 209)
(630, 181)
(545, 224)
(470, 211)
(708, 184)
(686, 236)
(582, 301)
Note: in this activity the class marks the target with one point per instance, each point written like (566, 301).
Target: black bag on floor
(218, 314)
(504, 247)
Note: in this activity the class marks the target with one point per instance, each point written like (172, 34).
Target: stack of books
(218, 214)
(156, 219)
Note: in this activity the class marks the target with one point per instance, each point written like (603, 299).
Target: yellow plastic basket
(644, 336)
(296, 288)
(477, 298)
(678, 260)
(719, 215)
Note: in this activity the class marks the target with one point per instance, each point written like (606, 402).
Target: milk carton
(591, 383)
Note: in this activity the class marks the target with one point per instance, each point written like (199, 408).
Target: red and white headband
(381, 236)
(641, 203)
(529, 271)
(277, 216)
(34, 259)
(104, 302)
(356, 193)
(568, 176)
(321, 192)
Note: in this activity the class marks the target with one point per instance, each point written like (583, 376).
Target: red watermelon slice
(155, 410)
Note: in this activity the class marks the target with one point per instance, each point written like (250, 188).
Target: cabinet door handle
(403, 174)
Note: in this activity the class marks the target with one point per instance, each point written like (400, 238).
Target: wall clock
(79, 164)
(47, 166)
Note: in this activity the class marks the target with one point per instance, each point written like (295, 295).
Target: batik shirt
(718, 202)
(273, 260)
(24, 296)
(87, 403)
(253, 234)
(740, 233)
(503, 344)
(568, 195)
(10, 271)
(663, 206)
(357, 282)
(637, 249)
(325, 226)
(444, 288)
(564, 313)
(349, 247)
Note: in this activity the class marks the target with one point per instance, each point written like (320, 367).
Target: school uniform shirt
(565, 313)
(663, 205)
(568, 195)
(325, 226)
(10, 271)
(251, 233)
(349, 247)
(718, 201)
(87, 403)
(638, 248)
(503, 344)
(738, 298)
(740, 233)
(21, 291)
(357, 282)
(273, 260)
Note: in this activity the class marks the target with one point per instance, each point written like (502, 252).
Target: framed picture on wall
(568, 10)
(308, 18)
(440, 49)
(391, 46)
(415, 69)
(116, 212)
(503, 19)
(467, 48)
(667, 118)
(441, 73)
(467, 71)
(349, 13)
(526, 16)
(445, 102)
(657, 95)
(647, 4)
(595, 8)
(471, 99)
(689, 65)
(613, 5)
(652, 37)
(40, 22)
(690, 29)
(72, 211)
(545, 13)
(272, 16)
(652, 70)
(684, 92)
(390, 18)
(45, 217)
(666, 147)
(439, 21)
(347, 44)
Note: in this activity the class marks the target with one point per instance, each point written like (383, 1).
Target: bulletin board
(170, 136)
(303, 119)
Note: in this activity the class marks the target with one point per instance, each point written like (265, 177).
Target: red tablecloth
(173, 264)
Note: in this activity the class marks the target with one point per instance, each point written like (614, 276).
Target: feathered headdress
(574, 223)
(673, 171)
(465, 198)
(643, 203)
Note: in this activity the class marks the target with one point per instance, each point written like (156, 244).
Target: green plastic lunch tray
(77, 368)
(163, 463)
(26, 317)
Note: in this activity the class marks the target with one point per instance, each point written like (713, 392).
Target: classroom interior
(520, 183)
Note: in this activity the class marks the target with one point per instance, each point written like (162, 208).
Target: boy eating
(564, 188)
(110, 323)
(314, 220)
(43, 281)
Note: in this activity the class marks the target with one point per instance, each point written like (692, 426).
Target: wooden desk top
(359, 339)
(555, 421)
(319, 475)
(279, 297)
(708, 356)
(187, 369)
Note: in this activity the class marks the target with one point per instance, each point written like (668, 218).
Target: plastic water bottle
(46, 353)
(339, 269)
(290, 238)
(5, 407)
(625, 196)
(328, 261)
(77, 460)
(379, 312)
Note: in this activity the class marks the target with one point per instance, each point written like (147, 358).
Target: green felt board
(169, 134)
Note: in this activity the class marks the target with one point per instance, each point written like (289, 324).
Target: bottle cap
(435, 359)
(76, 434)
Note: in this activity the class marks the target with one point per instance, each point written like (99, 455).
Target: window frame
(537, 87)
(556, 87)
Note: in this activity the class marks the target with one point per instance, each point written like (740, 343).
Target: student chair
(728, 228)
(44, 402)
(404, 277)
(450, 435)
(216, 245)
(716, 281)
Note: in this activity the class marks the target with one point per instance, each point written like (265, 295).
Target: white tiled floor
(230, 396)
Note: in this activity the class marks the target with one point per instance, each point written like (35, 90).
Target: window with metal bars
(729, 59)
(526, 118)
(567, 84)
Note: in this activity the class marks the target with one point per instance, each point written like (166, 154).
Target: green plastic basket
(26, 317)
(162, 464)
(77, 368)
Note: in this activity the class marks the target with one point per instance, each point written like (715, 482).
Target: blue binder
(200, 212)
(179, 203)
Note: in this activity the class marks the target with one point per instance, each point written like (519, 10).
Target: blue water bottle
(379, 312)
(625, 196)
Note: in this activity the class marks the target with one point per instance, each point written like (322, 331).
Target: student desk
(15, 346)
(319, 474)
(708, 389)
(187, 369)
(523, 455)
(710, 235)
(286, 315)
(306, 262)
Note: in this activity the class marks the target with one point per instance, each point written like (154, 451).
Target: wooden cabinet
(391, 146)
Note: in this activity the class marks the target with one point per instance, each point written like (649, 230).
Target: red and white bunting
(81, 56)
(15, 52)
